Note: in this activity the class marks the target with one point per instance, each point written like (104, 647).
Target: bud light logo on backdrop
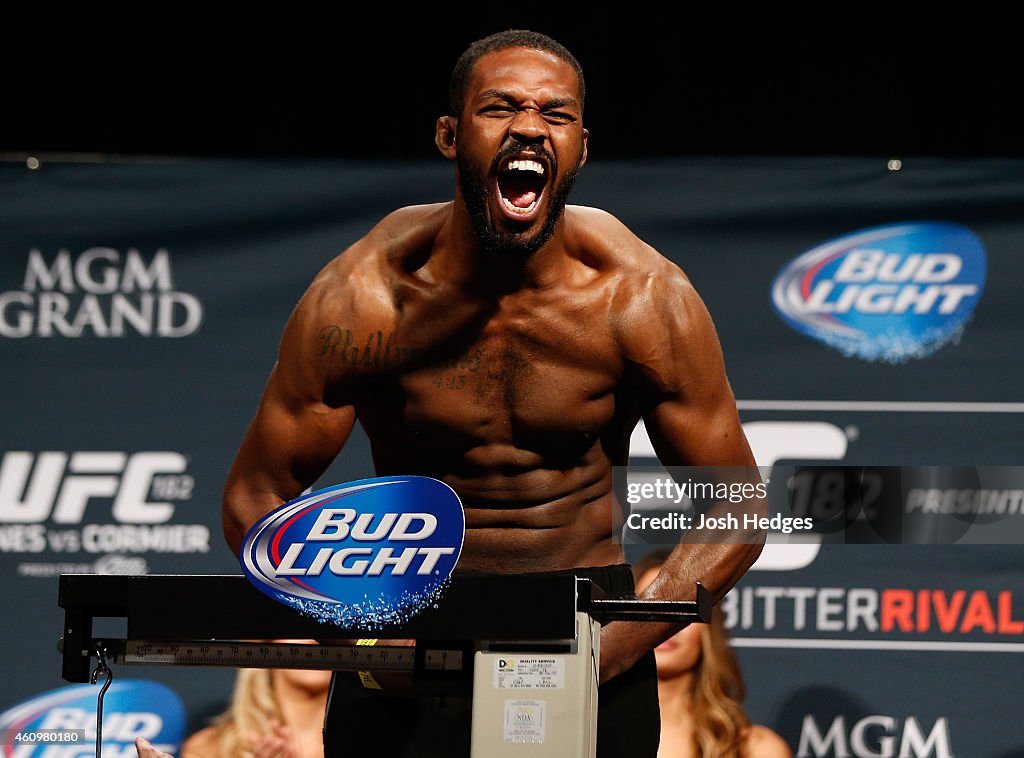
(889, 293)
(360, 555)
(62, 722)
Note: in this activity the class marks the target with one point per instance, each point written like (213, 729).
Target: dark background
(887, 80)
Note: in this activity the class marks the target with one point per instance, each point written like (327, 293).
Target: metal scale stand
(528, 646)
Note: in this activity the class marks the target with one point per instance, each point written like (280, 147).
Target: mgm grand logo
(99, 293)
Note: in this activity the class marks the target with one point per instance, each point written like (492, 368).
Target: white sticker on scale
(524, 721)
(525, 672)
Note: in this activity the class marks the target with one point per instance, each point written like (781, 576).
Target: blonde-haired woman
(701, 691)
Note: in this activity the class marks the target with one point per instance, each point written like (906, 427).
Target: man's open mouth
(521, 183)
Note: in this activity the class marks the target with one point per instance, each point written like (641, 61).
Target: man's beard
(476, 187)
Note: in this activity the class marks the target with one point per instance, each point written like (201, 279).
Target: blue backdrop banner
(869, 318)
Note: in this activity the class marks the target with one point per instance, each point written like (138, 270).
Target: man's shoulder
(650, 298)
(411, 223)
(599, 229)
(364, 274)
(402, 232)
(636, 270)
(604, 238)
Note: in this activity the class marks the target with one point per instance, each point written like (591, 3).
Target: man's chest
(515, 376)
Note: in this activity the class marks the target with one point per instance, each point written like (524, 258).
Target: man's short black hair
(502, 41)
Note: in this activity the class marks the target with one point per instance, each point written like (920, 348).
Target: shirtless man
(506, 344)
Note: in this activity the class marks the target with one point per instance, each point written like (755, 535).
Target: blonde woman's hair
(253, 707)
(718, 691)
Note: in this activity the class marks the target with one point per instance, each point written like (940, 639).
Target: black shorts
(370, 722)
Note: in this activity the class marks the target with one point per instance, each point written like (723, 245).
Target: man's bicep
(303, 420)
(686, 401)
(288, 445)
(293, 439)
(685, 433)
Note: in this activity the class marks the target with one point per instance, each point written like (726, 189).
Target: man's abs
(539, 529)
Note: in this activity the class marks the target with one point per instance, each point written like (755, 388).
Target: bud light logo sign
(61, 723)
(889, 293)
(360, 555)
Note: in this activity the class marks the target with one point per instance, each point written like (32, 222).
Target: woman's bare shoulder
(761, 742)
(203, 744)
